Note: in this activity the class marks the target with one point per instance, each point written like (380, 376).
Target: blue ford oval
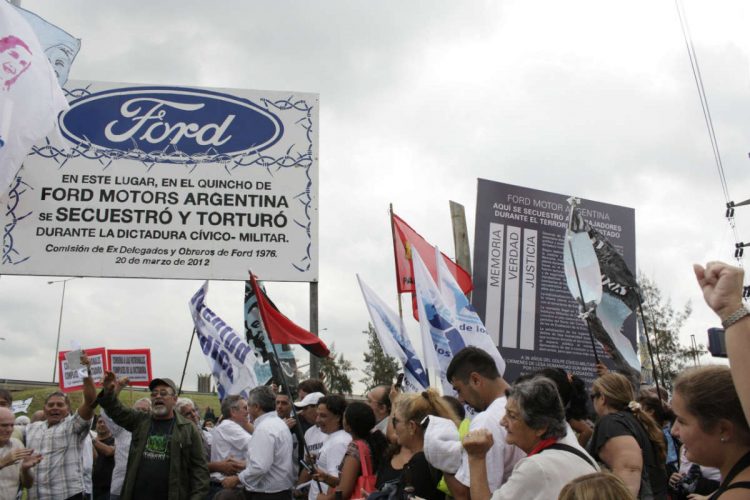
(177, 121)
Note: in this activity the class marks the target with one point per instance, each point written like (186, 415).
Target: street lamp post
(59, 324)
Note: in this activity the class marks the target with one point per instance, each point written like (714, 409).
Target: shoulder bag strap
(364, 457)
(570, 449)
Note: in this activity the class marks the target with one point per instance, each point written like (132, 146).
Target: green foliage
(380, 369)
(663, 323)
(334, 371)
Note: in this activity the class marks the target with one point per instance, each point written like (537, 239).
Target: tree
(334, 371)
(380, 369)
(663, 324)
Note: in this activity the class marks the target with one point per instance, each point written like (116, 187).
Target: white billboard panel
(170, 182)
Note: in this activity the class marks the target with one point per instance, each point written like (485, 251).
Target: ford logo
(171, 122)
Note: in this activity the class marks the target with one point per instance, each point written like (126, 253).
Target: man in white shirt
(15, 460)
(331, 421)
(307, 410)
(268, 474)
(59, 439)
(231, 441)
(474, 376)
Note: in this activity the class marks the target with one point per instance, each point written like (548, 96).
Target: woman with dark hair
(535, 422)
(365, 448)
(626, 439)
(664, 417)
(575, 402)
(712, 427)
(330, 420)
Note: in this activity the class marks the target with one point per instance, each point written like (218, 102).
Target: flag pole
(573, 202)
(650, 352)
(395, 260)
(287, 389)
(187, 356)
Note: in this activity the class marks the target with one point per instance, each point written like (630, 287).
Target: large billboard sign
(170, 182)
(520, 288)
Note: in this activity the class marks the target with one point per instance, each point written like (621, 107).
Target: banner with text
(170, 182)
(132, 363)
(70, 378)
(520, 287)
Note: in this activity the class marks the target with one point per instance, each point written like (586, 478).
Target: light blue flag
(463, 316)
(391, 333)
(440, 338)
(59, 46)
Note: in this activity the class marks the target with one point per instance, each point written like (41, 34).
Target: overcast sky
(418, 99)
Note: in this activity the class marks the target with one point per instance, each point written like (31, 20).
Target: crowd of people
(542, 437)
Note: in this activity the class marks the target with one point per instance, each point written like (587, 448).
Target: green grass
(127, 396)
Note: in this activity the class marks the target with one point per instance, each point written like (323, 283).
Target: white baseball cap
(309, 400)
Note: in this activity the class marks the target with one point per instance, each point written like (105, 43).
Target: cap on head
(309, 400)
(162, 381)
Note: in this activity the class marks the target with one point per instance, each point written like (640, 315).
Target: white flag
(440, 339)
(464, 317)
(391, 333)
(230, 358)
(30, 96)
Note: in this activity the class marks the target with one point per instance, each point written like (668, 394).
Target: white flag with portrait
(30, 95)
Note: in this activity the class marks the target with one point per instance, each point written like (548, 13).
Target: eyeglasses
(594, 395)
(156, 394)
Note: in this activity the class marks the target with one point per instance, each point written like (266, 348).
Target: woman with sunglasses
(626, 439)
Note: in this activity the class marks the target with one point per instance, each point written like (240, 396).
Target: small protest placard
(70, 378)
(132, 363)
(21, 406)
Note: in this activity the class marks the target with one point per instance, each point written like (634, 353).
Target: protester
(627, 439)
(363, 454)
(307, 409)
(380, 403)
(231, 441)
(16, 461)
(596, 486)
(60, 440)
(535, 422)
(409, 469)
(722, 287)
(330, 420)
(167, 459)
(268, 474)
(474, 376)
(186, 407)
(572, 391)
(662, 414)
(712, 426)
(6, 399)
(19, 427)
(104, 461)
(309, 386)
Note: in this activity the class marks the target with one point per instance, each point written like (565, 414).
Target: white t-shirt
(315, 438)
(331, 455)
(502, 456)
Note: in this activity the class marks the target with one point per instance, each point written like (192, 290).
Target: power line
(709, 122)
